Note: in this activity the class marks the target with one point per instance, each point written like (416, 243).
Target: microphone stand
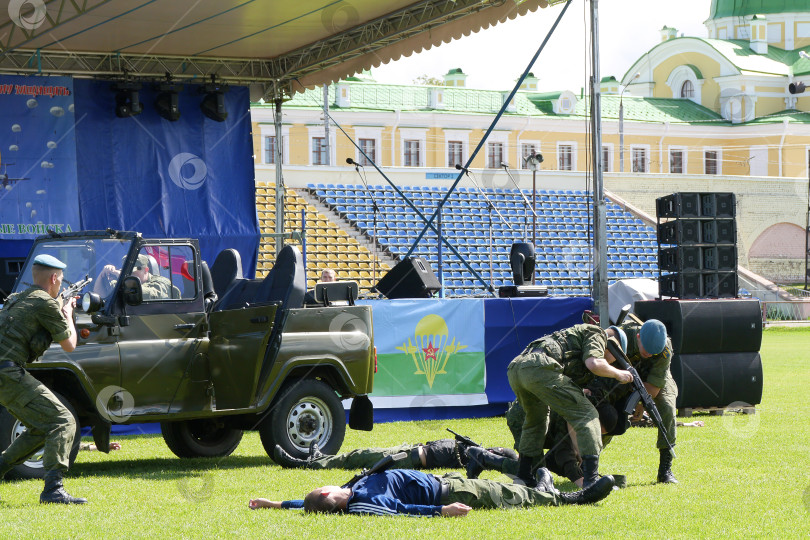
(525, 203)
(490, 208)
(374, 210)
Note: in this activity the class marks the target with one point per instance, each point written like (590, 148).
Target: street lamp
(621, 122)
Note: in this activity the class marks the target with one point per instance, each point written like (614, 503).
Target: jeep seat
(226, 270)
(286, 282)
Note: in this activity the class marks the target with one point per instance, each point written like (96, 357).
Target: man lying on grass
(403, 491)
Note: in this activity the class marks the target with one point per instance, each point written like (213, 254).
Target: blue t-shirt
(400, 491)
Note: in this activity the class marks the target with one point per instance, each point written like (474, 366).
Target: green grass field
(740, 476)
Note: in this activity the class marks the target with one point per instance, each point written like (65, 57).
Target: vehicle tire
(305, 410)
(11, 428)
(200, 438)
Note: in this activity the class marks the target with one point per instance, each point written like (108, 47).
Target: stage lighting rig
(167, 101)
(213, 104)
(127, 100)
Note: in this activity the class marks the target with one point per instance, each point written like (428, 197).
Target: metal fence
(785, 310)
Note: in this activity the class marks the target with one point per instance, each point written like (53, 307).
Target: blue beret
(621, 336)
(50, 261)
(653, 336)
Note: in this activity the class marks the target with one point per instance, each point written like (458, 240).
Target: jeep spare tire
(306, 411)
(200, 438)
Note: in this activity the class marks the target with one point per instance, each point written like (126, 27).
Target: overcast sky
(495, 57)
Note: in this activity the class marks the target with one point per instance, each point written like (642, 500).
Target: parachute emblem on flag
(429, 347)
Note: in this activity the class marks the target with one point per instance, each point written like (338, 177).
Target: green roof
(742, 8)
(793, 117)
(370, 96)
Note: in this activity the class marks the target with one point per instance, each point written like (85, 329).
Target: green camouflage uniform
(29, 322)
(488, 494)
(550, 374)
(444, 454)
(159, 288)
(654, 371)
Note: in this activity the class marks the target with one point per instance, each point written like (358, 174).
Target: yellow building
(711, 113)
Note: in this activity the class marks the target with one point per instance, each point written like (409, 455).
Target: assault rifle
(384, 464)
(74, 289)
(463, 438)
(622, 362)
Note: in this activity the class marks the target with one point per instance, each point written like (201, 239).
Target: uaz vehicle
(210, 357)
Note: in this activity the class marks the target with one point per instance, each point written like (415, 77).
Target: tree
(427, 80)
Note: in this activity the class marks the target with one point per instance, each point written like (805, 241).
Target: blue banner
(37, 160)
(188, 178)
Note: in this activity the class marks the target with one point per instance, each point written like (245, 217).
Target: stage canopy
(260, 42)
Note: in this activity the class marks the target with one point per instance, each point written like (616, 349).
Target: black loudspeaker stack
(410, 278)
(697, 251)
(716, 361)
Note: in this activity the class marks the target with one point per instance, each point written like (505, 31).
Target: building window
(676, 161)
(369, 148)
(494, 155)
(710, 162)
(270, 149)
(687, 89)
(319, 150)
(605, 159)
(411, 153)
(455, 153)
(566, 154)
(639, 160)
(526, 150)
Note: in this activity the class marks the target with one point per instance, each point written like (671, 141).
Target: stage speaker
(694, 205)
(698, 258)
(681, 232)
(410, 278)
(717, 379)
(707, 326)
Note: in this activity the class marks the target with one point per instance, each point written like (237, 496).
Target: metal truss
(360, 40)
(32, 23)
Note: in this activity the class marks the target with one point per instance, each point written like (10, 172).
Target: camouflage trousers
(364, 458)
(665, 403)
(49, 424)
(489, 494)
(540, 385)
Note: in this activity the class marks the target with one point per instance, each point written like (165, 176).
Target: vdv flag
(429, 352)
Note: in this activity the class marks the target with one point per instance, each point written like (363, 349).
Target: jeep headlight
(91, 302)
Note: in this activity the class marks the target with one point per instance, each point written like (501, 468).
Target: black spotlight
(213, 104)
(127, 100)
(521, 259)
(167, 101)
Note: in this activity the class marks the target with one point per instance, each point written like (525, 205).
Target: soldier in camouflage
(441, 454)
(550, 375)
(153, 287)
(650, 351)
(29, 322)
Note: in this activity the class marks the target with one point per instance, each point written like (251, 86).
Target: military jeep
(210, 355)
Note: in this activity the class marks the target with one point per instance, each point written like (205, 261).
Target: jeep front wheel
(11, 428)
(200, 438)
(306, 411)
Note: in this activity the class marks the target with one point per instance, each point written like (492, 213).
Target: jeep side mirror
(132, 291)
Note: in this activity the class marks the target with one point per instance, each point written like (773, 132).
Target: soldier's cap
(653, 335)
(621, 336)
(141, 262)
(50, 261)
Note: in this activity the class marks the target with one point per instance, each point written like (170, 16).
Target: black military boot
(590, 471)
(287, 461)
(544, 481)
(505, 452)
(665, 475)
(525, 471)
(595, 493)
(55, 493)
(479, 460)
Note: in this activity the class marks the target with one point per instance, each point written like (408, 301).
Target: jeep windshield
(84, 257)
